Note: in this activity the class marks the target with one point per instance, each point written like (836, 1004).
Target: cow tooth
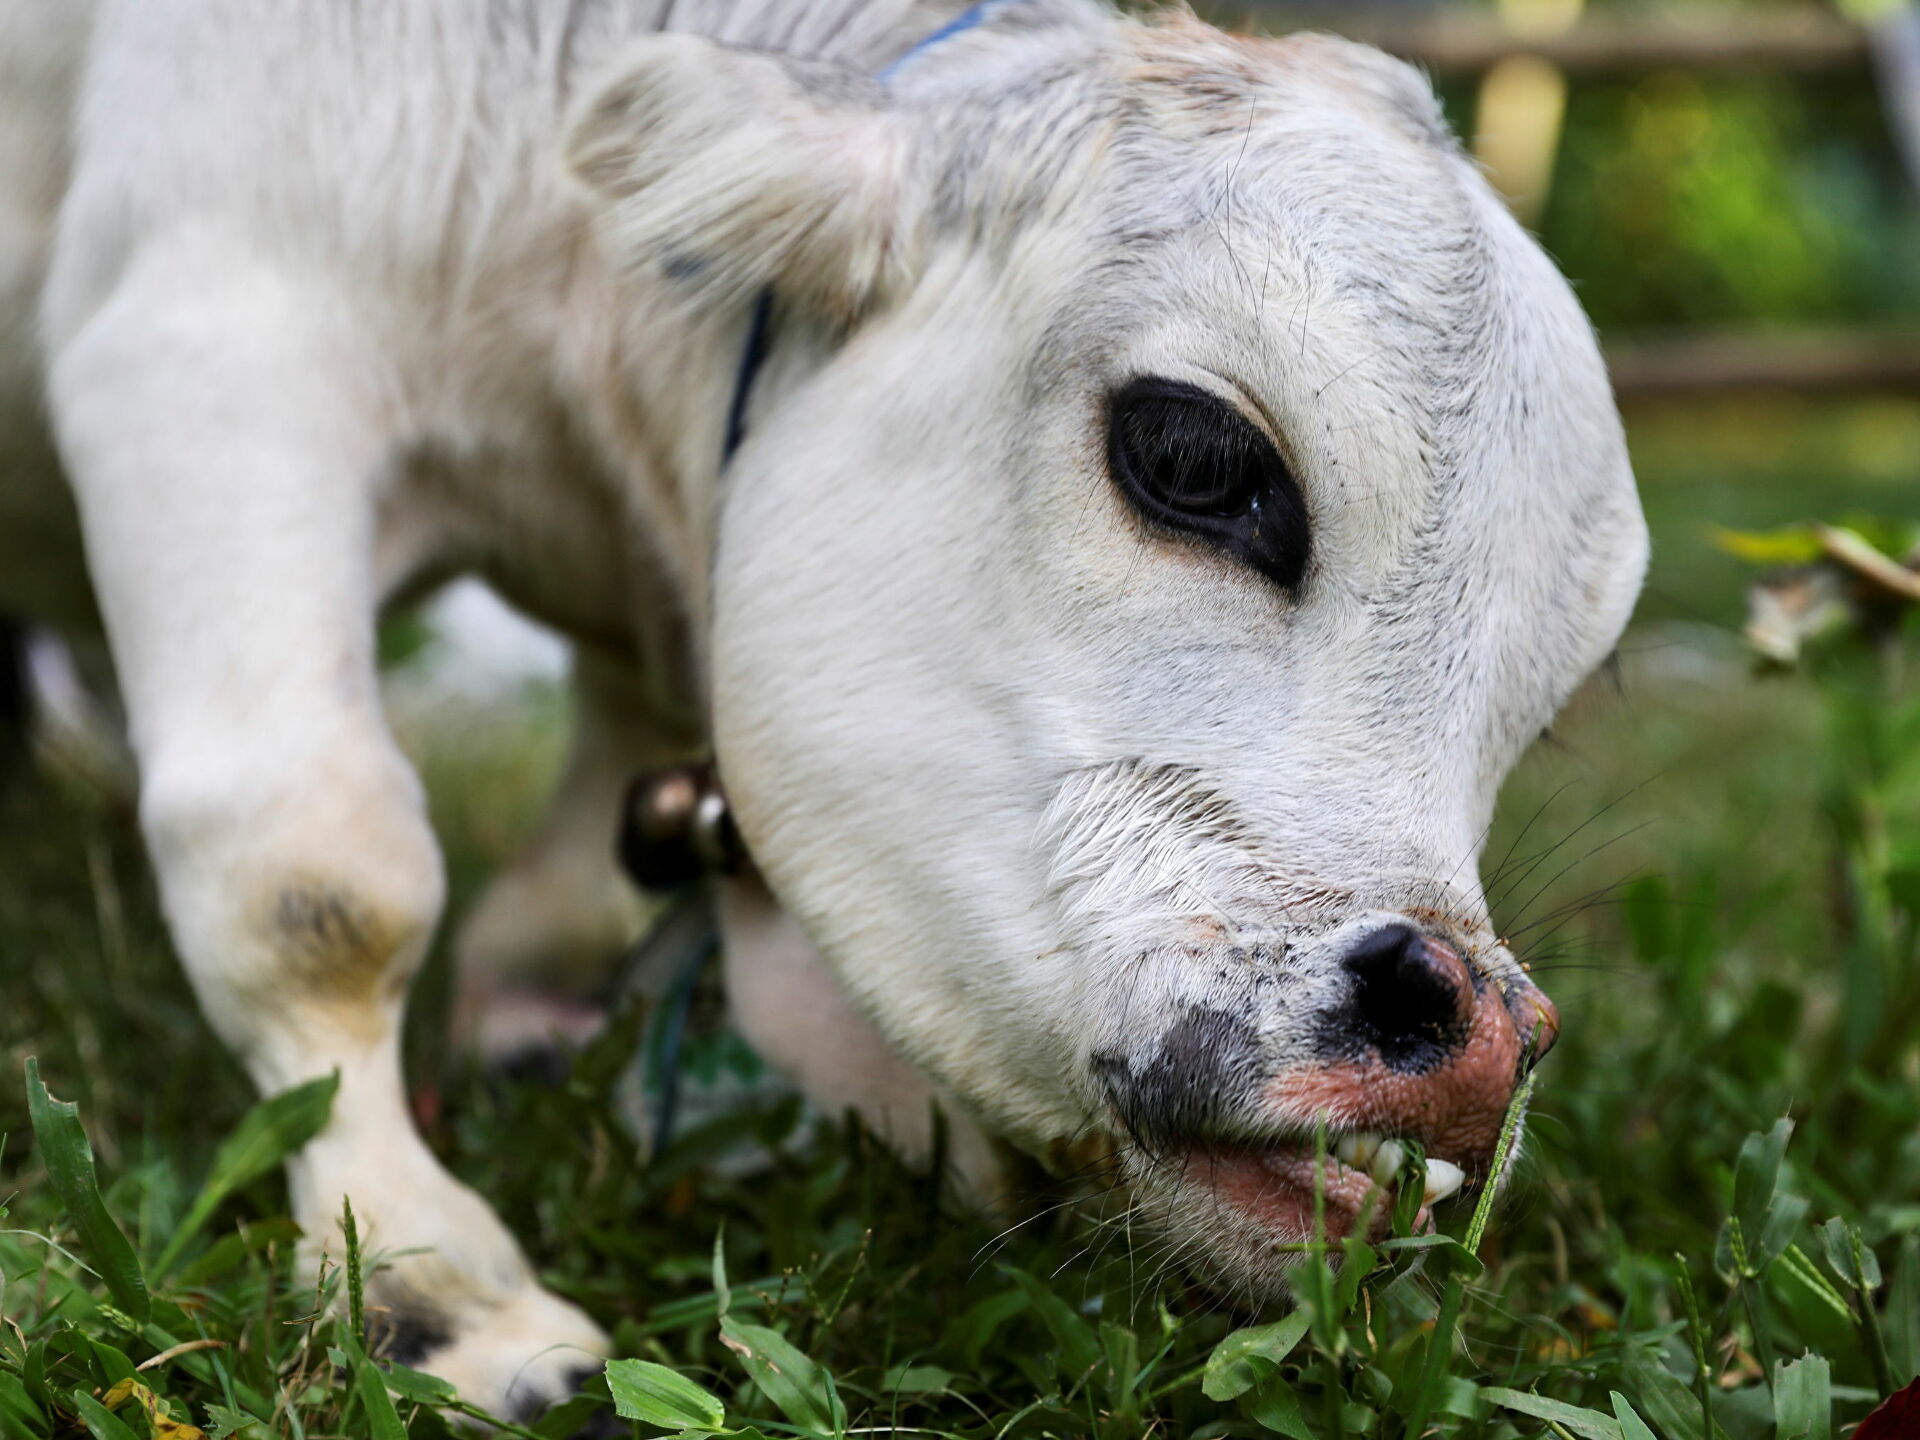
(1443, 1178)
(1386, 1162)
(1356, 1151)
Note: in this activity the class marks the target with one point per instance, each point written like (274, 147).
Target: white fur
(328, 315)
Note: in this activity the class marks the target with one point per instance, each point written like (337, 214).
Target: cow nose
(1412, 998)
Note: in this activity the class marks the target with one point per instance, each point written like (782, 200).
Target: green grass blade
(382, 1419)
(69, 1160)
(1756, 1174)
(1803, 1399)
(1903, 1311)
(113, 1361)
(1502, 1158)
(1660, 1395)
(369, 1387)
(1433, 1377)
(1231, 1369)
(793, 1381)
(662, 1396)
(1079, 1346)
(356, 1275)
(101, 1423)
(1433, 1374)
(1800, 1265)
(268, 1133)
(1867, 1267)
(1275, 1405)
(18, 1413)
(1632, 1427)
(1697, 1336)
(1590, 1424)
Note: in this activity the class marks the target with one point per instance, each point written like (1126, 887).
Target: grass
(1717, 1211)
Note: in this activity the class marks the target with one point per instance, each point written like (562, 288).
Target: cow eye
(1190, 462)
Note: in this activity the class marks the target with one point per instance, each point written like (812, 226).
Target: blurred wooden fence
(1811, 362)
(1450, 41)
(1799, 40)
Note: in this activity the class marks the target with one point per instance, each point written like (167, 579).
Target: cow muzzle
(1264, 1135)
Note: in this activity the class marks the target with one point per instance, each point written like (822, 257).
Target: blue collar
(965, 20)
(760, 325)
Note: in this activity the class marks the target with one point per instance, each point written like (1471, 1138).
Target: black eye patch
(1189, 461)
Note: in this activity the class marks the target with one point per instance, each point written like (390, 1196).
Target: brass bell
(676, 827)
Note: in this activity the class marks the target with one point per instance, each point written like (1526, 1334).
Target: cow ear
(734, 170)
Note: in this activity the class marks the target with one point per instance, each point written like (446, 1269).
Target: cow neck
(753, 353)
(685, 942)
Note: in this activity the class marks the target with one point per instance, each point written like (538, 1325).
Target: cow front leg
(536, 954)
(225, 433)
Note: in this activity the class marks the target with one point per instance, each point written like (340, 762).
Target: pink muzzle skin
(1456, 1107)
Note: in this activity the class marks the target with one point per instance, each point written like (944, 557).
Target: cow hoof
(533, 1066)
(521, 1033)
(16, 704)
(603, 1424)
(515, 1359)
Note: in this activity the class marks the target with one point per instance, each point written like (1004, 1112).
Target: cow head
(1178, 497)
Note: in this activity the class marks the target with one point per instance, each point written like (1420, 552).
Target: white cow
(1174, 496)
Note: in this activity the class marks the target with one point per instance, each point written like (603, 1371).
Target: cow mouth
(1294, 1193)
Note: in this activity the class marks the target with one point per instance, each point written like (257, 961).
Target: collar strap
(677, 828)
(753, 354)
(965, 20)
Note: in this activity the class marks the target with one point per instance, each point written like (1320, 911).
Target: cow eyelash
(1190, 462)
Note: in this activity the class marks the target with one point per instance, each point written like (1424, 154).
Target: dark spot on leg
(1208, 1063)
(320, 918)
(334, 944)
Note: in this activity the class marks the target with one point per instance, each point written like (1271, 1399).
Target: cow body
(1098, 802)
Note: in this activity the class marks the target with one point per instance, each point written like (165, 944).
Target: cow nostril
(1411, 997)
